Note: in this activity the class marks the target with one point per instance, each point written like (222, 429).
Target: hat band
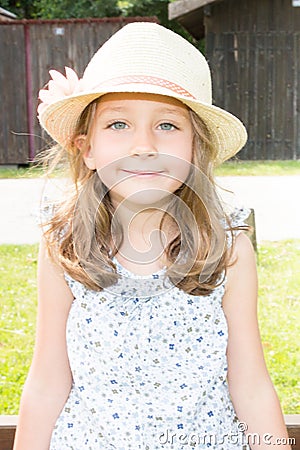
(144, 79)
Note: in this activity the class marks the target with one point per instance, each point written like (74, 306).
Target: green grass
(21, 172)
(230, 168)
(258, 168)
(279, 316)
(17, 320)
(26, 172)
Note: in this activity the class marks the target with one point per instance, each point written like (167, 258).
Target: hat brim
(227, 132)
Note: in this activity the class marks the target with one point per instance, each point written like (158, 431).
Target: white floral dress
(149, 369)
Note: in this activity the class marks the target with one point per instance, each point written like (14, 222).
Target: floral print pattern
(149, 368)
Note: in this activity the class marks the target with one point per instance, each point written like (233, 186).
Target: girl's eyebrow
(106, 109)
(160, 110)
(174, 111)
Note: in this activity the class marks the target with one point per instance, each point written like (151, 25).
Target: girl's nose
(144, 154)
(143, 145)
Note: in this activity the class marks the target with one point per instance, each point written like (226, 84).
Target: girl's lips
(144, 173)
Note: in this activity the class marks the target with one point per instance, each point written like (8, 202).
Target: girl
(147, 334)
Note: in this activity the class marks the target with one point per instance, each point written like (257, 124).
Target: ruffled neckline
(129, 274)
(148, 286)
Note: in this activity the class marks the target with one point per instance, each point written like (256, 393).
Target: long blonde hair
(79, 232)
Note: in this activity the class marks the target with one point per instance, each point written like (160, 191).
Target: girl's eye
(167, 126)
(118, 126)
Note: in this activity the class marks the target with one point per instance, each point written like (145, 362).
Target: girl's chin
(143, 197)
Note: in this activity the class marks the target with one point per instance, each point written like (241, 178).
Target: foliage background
(63, 9)
(68, 9)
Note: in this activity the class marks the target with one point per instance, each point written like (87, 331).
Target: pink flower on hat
(59, 87)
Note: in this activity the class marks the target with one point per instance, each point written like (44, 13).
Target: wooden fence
(257, 77)
(254, 50)
(28, 50)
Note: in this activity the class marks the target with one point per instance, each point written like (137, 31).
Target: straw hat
(146, 58)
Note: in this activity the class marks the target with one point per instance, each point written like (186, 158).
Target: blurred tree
(58, 9)
(24, 9)
(158, 8)
(65, 9)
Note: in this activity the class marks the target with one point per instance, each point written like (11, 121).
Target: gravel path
(274, 199)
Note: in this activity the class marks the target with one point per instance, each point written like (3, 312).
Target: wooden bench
(252, 234)
(8, 427)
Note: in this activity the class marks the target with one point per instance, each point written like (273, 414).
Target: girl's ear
(81, 143)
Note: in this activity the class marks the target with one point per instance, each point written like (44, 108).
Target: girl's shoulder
(55, 194)
(46, 211)
(236, 223)
(238, 216)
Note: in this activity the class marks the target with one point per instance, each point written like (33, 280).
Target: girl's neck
(142, 250)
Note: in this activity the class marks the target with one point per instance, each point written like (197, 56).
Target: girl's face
(141, 146)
